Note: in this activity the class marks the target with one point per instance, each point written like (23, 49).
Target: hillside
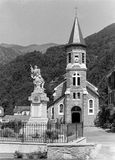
(8, 52)
(16, 84)
(101, 57)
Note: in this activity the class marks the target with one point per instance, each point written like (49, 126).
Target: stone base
(36, 126)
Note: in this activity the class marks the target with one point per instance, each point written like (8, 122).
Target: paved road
(106, 141)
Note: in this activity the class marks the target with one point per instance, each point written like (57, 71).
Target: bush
(14, 125)
(112, 127)
(18, 154)
(36, 155)
(36, 135)
(103, 117)
(51, 134)
(107, 125)
(7, 132)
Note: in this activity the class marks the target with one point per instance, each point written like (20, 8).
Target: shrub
(36, 155)
(36, 135)
(112, 127)
(50, 134)
(14, 125)
(18, 154)
(107, 125)
(7, 132)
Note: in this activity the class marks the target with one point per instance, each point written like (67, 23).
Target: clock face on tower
(76, 59)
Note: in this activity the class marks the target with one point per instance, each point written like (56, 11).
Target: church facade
(75, 99)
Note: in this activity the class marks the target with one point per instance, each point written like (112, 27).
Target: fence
(40, 133)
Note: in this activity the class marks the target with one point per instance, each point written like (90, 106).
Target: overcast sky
(43, 21)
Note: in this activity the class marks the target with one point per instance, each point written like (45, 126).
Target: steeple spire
(76, 37)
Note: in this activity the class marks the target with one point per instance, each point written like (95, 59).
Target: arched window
(74, 79)
(69, 57)
(61, 109)
(90, 107)
(83, 57)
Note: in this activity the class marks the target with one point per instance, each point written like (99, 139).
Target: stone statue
(36, 75)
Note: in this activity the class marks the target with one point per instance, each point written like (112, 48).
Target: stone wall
(11, 147)
(71, 151)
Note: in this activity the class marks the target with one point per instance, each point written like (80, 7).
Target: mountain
(8, 52)
(16, 83)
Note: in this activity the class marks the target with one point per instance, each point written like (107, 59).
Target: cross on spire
(76, 9)
(76, 36)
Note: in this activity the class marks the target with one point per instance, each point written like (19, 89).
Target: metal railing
(40, 133)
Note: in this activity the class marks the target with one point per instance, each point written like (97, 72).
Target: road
(105, 139)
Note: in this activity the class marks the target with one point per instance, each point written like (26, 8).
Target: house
(21, 113)
(21, 110)
(111, 89)
(75, 99)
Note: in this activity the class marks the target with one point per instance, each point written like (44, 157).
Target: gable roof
(21, 108)
(92, 88)
(62, 89)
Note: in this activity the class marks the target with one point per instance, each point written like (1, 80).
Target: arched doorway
(76, 114)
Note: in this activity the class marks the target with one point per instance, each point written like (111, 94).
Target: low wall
(11, 147)
(71, 151)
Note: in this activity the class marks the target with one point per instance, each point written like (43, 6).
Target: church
(75, 100)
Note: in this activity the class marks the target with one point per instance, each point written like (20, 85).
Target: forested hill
(16, 83)
(9, 52)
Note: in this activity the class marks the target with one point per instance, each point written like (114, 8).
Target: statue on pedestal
(38, 80)
(38, 98)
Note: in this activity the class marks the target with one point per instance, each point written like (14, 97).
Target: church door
(76, 114)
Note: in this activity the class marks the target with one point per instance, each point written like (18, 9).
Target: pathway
(106, 139)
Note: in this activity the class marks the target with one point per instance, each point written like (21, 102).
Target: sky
(26, 22)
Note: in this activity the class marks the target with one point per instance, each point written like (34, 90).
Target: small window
(52, 113)
(69, 57)
(83, 57)
(25, 113)
(78, 95)
(74, 95)
(91, 107)
(18, 112)
(61, 109)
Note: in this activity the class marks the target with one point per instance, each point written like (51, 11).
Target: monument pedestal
(38, 112)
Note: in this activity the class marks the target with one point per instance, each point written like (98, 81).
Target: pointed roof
(76, 37)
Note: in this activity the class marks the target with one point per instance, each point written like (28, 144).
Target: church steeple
(76, 37)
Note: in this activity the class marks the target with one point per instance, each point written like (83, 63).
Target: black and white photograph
(57, 79)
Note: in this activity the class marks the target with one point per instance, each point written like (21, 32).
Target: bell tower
(75, 75)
